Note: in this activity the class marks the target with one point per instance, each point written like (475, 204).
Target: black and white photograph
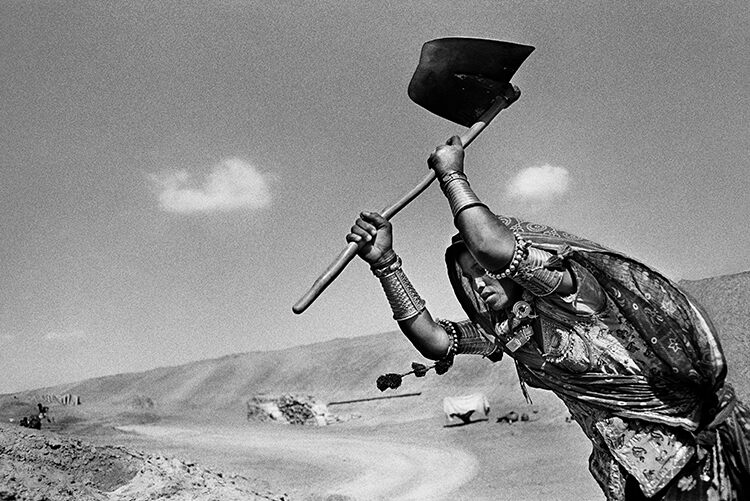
(341, 250)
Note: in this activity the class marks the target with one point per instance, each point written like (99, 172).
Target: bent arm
(433, 339)
(427, 336)
(374, 236)
(494, 246)
(439, 339)
(490, 242)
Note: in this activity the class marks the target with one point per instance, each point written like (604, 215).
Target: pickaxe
(465, 80)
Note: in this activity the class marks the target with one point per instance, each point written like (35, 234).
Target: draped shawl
(667, 319)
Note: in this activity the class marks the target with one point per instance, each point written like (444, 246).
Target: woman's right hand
(447, 158)
(374, 235)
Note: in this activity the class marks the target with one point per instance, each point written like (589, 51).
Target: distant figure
(43, 410)
(635, 360)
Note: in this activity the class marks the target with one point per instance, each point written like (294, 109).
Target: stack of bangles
(457, 190)
(404, 300)
(450, 329)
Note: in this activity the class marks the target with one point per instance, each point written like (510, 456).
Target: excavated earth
(46, 466)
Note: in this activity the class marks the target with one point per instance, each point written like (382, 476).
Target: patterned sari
(662, 428)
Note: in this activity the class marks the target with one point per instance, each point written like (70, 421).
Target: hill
(727, 300)
(346, 369)
(337, 370)
(201, 403)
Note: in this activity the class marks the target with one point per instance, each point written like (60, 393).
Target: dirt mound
(46, 466)
(288, 409)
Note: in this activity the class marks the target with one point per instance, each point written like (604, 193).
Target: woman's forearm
(409, 310)
(427, 336)
(488, 240)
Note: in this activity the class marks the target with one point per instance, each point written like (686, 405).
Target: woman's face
(496, 294)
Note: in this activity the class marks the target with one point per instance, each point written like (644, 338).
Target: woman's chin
(495, 302)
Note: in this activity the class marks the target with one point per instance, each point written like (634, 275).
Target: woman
(633, 358)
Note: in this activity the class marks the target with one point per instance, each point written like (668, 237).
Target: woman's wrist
(450, 175)
(404, 300)
(386, 260)
(459, 193)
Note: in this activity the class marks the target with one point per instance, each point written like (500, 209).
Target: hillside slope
(727, 301)
(346, 369)
(341, 369)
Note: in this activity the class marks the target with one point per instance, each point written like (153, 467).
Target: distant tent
(465, 409)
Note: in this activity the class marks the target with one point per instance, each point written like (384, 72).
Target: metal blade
(459, 78)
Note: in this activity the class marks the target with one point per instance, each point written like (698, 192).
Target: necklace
(517, 326)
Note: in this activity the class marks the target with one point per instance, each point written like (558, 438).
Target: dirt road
(350, 467)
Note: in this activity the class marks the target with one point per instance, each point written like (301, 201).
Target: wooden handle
(346, 255)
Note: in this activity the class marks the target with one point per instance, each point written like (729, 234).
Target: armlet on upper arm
(532, 275)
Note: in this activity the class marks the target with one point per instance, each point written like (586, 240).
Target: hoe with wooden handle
(465, 80)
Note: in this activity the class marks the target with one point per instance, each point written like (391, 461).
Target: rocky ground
(46, 466)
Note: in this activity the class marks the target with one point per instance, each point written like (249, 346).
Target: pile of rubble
(37, 466)
(289, 409)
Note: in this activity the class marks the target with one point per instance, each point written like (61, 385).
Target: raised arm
(493, 245)
(490, 242)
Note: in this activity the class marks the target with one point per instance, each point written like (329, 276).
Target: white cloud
(65, 336)
(539, 184)
(232, 184)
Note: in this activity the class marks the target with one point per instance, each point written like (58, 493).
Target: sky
(174, 175)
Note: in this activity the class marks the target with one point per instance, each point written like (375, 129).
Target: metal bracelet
(471, 341)
(527, 268)
(450, 176)
(387, 258)
(450, 329)
(532, 275)
(404, 300)
(390, 265)
(460, 195)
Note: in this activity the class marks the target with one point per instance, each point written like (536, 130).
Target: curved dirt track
(352, 467)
